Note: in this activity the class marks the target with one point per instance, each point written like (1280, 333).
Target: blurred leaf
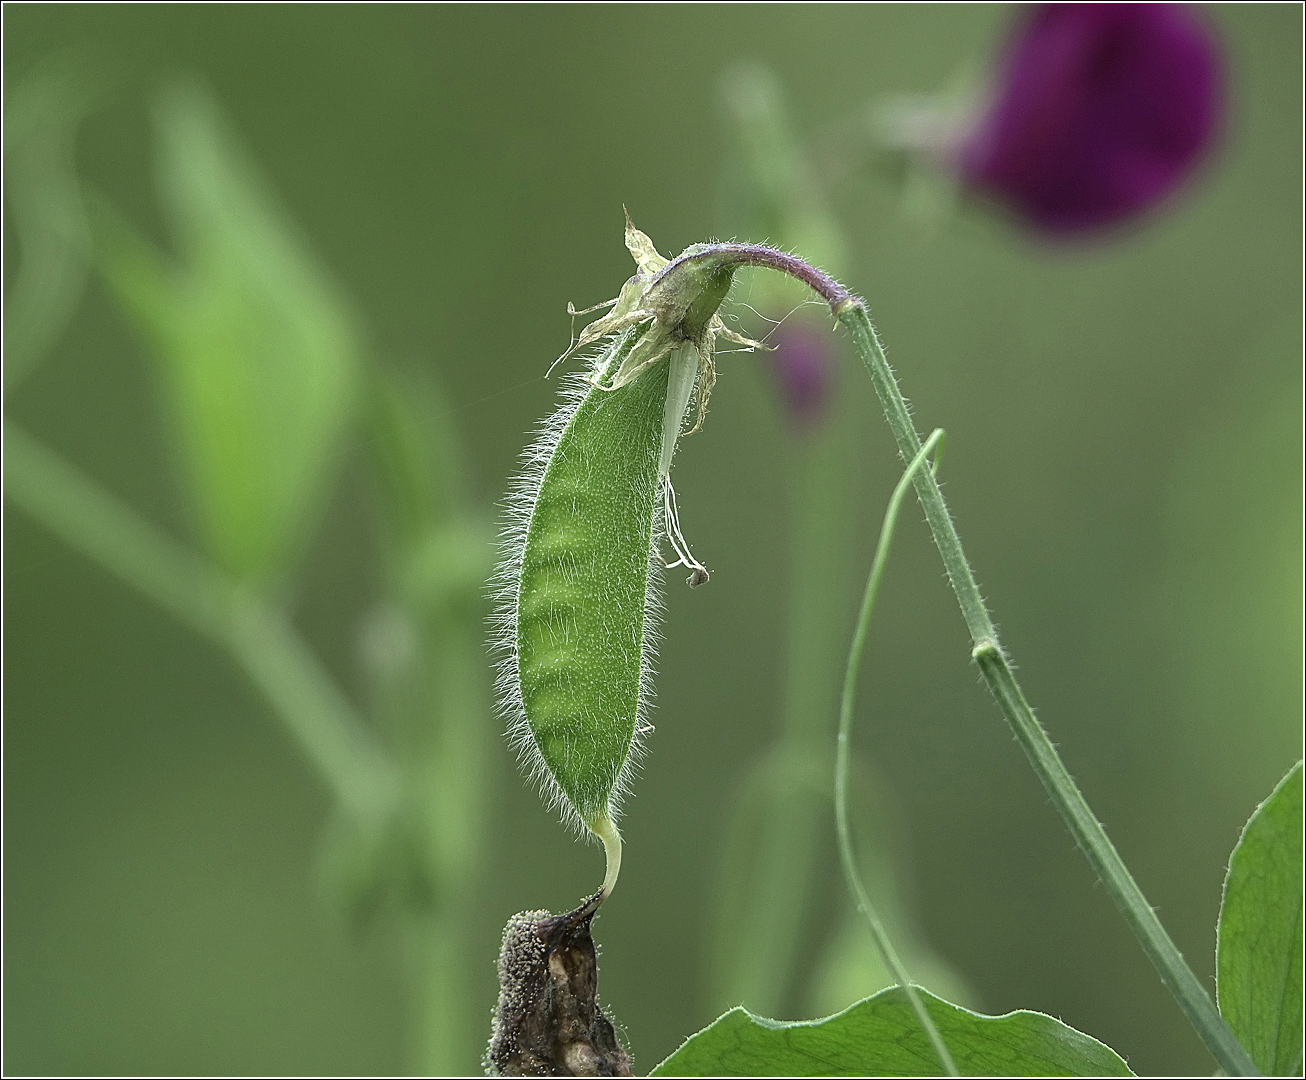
(850, 967)
(881, 1037)
(256, 350)
(1259, 950)
(416, 444)
(439, 555)
(41, 119)
(361, 864)
(415, 450)
(768, 855)
(769, 187)
(444, 575)
(1232, 592)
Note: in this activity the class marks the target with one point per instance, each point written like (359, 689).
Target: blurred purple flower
(804, 370)
(1101, 110)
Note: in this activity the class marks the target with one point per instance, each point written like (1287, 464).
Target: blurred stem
(1175, 973)
(450, 1030)
(854, 878)
(441, 736)
(255, 634)
(41, 119)
(431, 699)
(756, 965)
(819, 528)
(758, 968)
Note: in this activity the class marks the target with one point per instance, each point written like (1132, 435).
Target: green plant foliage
(256, 352)
(41, 119)
(413, 448)
(882, 1037)
(1259, 944)
(583, 599)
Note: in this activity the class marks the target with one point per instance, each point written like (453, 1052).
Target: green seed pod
(586, 599)
(578, 585)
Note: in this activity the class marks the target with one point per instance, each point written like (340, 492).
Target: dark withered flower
(547, 1021)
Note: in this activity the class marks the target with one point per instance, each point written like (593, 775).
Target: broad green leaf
(881, 1037)
(256, 351)
(1259, 941)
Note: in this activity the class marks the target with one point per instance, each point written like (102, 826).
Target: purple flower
(804, 370)
(1101, 111)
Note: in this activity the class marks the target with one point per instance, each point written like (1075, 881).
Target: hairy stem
(1175, 973)
(258, 636)
(756, 255)
(844, 752)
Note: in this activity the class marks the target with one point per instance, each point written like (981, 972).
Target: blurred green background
(1124, 438)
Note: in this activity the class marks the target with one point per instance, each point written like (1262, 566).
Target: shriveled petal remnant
(669, 303)
(1100, 112)
(672, 309)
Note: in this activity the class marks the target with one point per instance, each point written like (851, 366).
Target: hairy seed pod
(583, 574)
(578, 585)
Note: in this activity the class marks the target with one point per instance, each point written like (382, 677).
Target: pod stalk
(606, 831)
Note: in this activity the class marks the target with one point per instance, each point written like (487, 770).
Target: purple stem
(756, 255)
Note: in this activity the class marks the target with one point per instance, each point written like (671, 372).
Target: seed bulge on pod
(547, 1021)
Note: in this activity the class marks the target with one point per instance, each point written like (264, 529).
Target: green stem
(1175, 973)
(844, 751)
(257, 635)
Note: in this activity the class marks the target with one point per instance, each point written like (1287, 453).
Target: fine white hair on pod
(505, 585)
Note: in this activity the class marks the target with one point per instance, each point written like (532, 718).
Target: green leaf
(1259, 939)
(881, 1037)
(256, 350)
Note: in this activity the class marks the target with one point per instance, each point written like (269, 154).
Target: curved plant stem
(843, 753)
(1175, 973)
(256, 634)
